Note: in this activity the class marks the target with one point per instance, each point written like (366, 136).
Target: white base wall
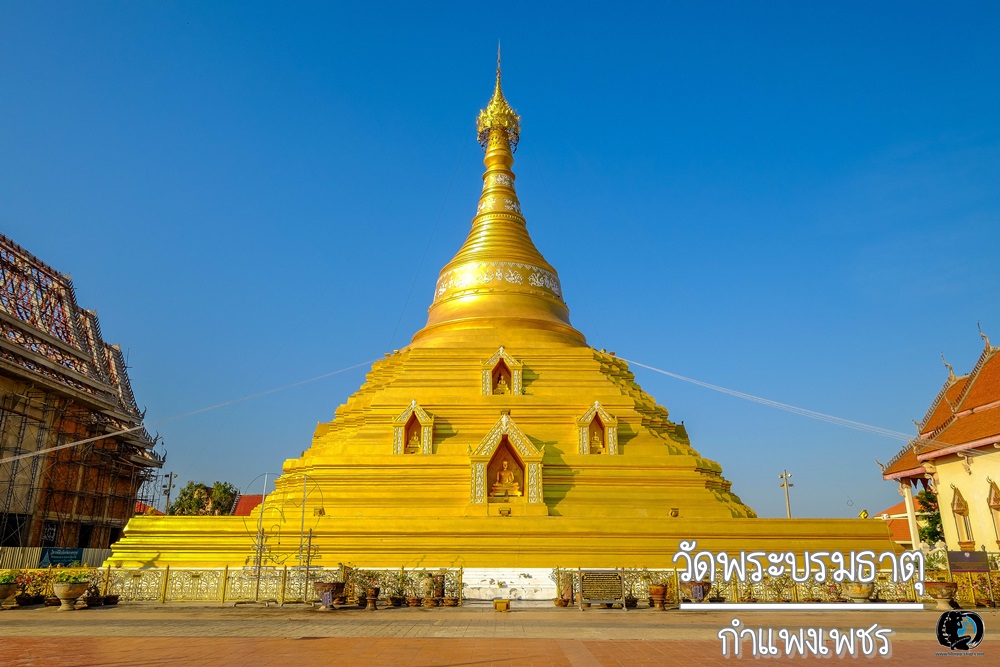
(481, 583)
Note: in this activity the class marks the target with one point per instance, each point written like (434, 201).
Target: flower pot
(332, 589)
(68, 593)
(25, 600)
(560, 602)
(500, 604)
(110, 600)
(430, 602)
(6, 590)
(372, 594)
(943, 593)
(657, 593)
(412, 602)
(93, 601)
(449, 602)
(394, 601)
(631, 603)
(859, 592)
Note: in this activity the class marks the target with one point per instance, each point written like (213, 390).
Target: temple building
(61, 383)
(497, 438)
(956, 456)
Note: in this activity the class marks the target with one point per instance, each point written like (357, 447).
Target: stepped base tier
(497, 438)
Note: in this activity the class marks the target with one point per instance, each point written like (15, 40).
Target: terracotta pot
(943, 592)
(450, 602)
(68, 594)
(94, 601)
(560, 602)
(859, 592)
(430, 602)
(412, 602)
(657, 593)
(110, 600)
(6, 591)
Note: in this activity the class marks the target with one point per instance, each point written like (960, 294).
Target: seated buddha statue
(596, 444)
(414, 444)
(502, 387)
(506, 483)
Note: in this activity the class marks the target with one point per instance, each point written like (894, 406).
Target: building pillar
(906, 491)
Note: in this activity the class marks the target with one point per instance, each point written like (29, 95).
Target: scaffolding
(61, 383)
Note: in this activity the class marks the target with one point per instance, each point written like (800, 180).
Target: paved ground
(531, 634)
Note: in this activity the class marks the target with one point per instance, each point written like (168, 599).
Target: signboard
(602, 586)
(55, 556)
(968, 561)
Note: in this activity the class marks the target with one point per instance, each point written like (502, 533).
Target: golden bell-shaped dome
(498, 285)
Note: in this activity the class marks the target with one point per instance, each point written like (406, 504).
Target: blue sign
(53, 556)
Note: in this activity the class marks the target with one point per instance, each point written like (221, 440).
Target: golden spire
(498, 119)
(498, 283)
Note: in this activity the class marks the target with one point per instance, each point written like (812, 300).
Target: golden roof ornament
(498, 119)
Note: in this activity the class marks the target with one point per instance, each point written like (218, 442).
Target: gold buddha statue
(414, 444)
(597, 443)
(502, 387)
(506, 483)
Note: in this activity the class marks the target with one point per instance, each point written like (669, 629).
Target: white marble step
(483, 583)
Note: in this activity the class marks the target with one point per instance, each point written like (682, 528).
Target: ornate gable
(426, 430)
(608, 424)
(958, 504)
(490, 371)
(528, 454)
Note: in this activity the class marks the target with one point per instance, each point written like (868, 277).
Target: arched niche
(501, 374)
(505, 441)
(413, 431)
(598, 431)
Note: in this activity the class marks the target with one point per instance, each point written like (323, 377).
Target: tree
(931, 531)
(200, 499)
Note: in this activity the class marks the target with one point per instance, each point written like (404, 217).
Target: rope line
(812, 414)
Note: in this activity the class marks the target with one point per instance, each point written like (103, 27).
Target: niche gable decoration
(529, 455)
(502, 374)
(597, 420)
(413, 419)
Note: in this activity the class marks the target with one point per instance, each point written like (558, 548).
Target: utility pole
(785, 484)
(168, 485)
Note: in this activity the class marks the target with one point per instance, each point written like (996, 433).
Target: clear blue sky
(795, 200)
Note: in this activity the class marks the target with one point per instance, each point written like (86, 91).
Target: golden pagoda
(497, 438)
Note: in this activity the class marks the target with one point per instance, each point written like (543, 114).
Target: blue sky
(795, 200)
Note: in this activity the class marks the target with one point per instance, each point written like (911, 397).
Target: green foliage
(931, 531)
(200, 499)
(8, 577)
(73, 577)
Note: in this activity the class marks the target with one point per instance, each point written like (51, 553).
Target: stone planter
(372, 594)
(943, 593)
(859, 592)
(695, 591)
(6, 591)
(68, 594)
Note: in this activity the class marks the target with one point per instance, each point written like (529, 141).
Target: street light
(168, 484)
(785, 484)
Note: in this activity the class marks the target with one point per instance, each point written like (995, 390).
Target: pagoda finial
(498, 119)
(981, 334)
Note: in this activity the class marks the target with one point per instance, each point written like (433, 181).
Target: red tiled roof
(968, 428)
(906, 460)
(942, 411)
(985, 387)
(898, 508)
(900, 530)
(143, 508)
(246, 504)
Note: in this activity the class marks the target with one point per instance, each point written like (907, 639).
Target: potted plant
(943, 593)
(397, 586)
(70, 585)
(8, 585)
(368, 585)
(32, 587)
(93, 597)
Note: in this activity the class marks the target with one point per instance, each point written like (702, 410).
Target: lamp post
(785, 484)
(168, 485)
